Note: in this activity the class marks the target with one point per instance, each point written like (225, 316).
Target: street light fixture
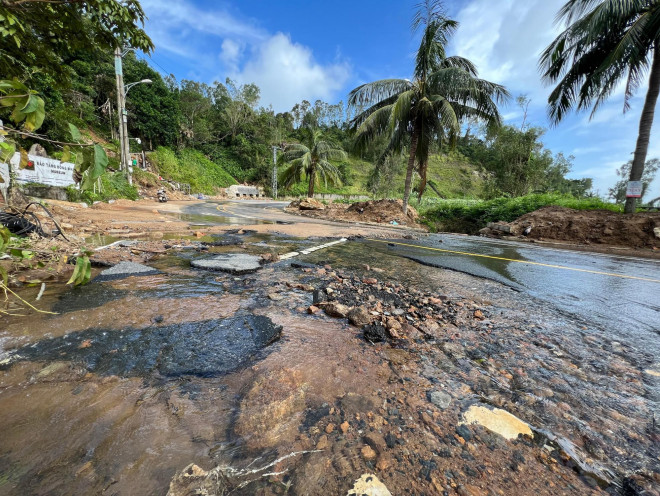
(129, 86)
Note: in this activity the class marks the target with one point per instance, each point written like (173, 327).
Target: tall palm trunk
(411, 167)
(645, 124)
(312, 180)
(423, 169)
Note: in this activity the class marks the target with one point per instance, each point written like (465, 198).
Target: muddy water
(134, 379)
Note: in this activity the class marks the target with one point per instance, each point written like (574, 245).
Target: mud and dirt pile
(640, 230)
(372, 211)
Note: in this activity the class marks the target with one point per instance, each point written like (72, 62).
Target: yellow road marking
(517, 261)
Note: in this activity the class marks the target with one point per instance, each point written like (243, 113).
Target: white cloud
(231, 54)
(505, 40)
(287, 73)
(181, 18)
(222, 44)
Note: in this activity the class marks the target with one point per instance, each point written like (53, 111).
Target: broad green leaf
(31, 104)
(35, 119)
(4, 276)
(75, 133)
(66, 153)
(82, 272)
(7, 151)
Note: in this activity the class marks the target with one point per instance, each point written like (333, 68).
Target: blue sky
(297, 50)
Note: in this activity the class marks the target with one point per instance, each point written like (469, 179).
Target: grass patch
(468, 216)
(113, 187)
(191, 167)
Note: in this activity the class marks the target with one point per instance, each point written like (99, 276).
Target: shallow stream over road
(136, 378)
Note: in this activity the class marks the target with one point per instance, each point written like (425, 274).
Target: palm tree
(604, 43)
(444, 91)
(311, 160)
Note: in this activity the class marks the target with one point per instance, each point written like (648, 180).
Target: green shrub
(471, 215)
(113, 187)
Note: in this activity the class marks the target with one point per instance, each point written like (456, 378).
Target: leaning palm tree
(606, 42)
(312, 160)
(444, 91)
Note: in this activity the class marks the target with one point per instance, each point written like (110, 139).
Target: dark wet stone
(464, 432)
(375, 332)
(206, 349)
(123, 270)
(234, 263)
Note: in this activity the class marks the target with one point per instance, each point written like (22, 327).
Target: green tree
(311, 159)
(444, 91)
(606, 42)
(618, 192)
(37, 35)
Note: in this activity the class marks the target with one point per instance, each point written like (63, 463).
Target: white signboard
(634, 189)
(43, 171)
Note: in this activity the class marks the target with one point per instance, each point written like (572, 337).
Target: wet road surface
(616, 295)
(622, 301)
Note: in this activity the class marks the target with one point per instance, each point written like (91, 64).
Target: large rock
(499, 421)
(234, 263)
(369, 485)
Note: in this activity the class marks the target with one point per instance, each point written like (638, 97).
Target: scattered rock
(334, 309)
(313, 310)
(376, 441)
(439, 398)
(359, 316)
(329, 429)
(375, 332)
(368, 453)
(344, 427)
(323, 443)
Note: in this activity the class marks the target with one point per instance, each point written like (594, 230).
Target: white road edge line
(307, 251)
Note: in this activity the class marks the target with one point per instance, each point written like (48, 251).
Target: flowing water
(136, 378)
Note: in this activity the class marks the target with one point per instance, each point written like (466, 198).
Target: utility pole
(120, 106)
(274, 184)
(123, 118)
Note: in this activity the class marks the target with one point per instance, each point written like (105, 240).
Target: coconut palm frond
(362, 116)
(373, 126)
(372, 93)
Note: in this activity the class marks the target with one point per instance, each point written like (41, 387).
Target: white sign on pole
(43, 170)
(634, 189)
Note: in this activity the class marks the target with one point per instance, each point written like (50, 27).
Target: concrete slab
(123, 270)
(234, 263)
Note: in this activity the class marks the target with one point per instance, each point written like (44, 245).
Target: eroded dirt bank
(132, 410)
